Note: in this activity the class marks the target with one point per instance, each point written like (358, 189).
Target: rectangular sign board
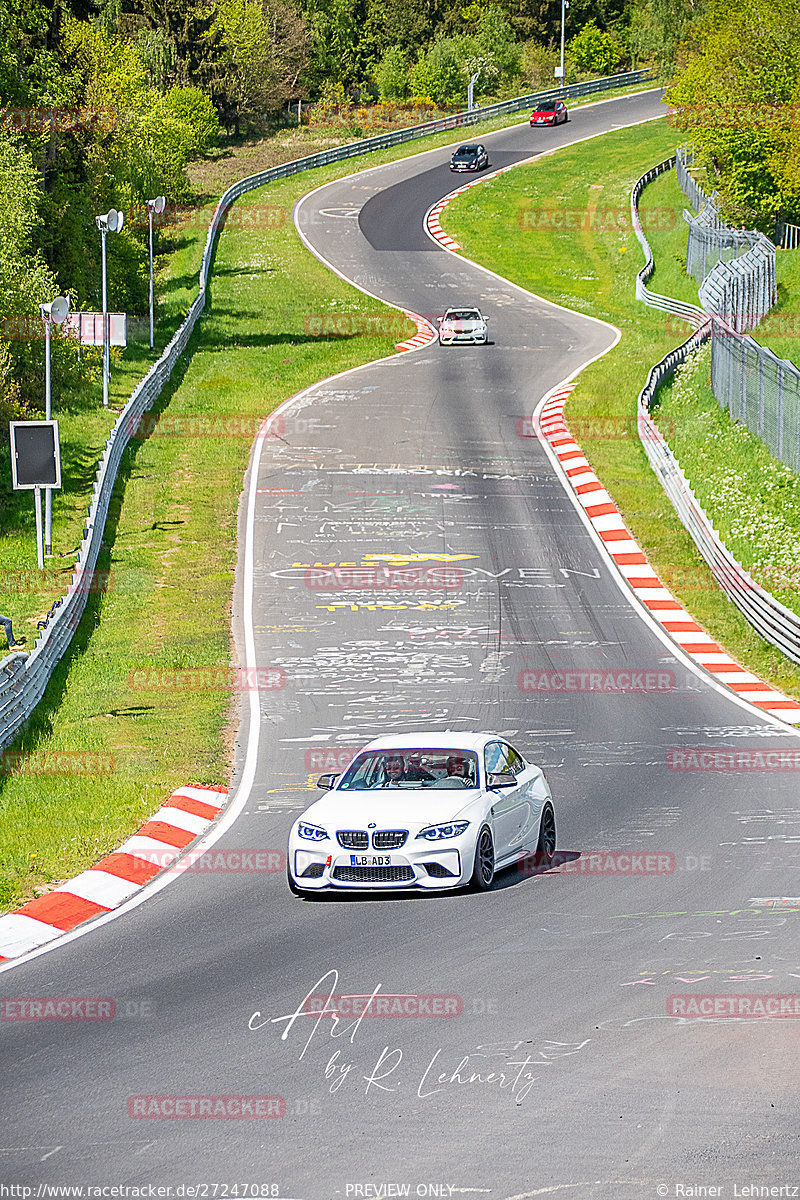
(87, 327)
(35, 454)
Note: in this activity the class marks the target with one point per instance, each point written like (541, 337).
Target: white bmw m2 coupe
(431, 810)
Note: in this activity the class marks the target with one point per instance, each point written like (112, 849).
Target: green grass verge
(591, 268)
(26, 593)
(171, 538)
(752, 499)
(660, 209)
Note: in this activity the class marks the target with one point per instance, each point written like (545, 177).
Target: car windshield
(462, 314)
(411, 769)
(549, 107)
(467, 150)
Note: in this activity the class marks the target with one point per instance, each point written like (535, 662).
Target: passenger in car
(456, 766)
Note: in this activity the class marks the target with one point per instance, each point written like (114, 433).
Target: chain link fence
(736, 270)
(771, 619)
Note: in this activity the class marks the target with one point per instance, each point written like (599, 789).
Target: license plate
(370, 860)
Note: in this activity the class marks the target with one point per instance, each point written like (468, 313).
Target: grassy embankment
(515, 225)
(171, 535)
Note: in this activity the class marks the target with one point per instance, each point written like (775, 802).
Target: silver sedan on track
(425, 810)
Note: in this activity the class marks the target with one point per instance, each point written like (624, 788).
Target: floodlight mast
(110, 222)
(153, 206)
(55, 312)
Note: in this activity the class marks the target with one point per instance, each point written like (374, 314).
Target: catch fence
(738, 287)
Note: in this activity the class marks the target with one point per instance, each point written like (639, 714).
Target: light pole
(110, 222)
(472, 83)
(564, 7)
(54, 313)
(153, 206)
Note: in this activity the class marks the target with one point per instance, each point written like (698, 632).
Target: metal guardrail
(687, 312)
(771, 619)
(23, 678)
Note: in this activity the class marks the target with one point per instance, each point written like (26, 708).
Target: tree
(595, 51)
(335, 29)
(25, 279)
(187, 25)
(658, 27)
(540, 20)
(440, 73)
(157, 52)
(739, 77)
(392, 74)
(498, 45)
(262, 48)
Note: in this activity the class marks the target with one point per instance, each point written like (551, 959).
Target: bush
(11, 407)
(194, 110)
(441, 73)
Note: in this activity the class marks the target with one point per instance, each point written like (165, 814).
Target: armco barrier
(23, 678)
(771, 619)
(687, 312)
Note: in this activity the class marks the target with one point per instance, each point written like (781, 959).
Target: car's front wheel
(483, 869)
(546, 846)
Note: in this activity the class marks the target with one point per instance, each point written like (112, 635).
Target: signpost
(36, 464)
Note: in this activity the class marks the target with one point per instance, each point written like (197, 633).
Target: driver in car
(393, 770)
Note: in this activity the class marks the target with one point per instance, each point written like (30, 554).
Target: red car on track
(549, 112)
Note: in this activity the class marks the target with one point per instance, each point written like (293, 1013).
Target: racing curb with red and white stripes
(643, 581)
(423, 337)
(159, 844)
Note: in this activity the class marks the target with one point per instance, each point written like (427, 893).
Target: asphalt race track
(563, 1072)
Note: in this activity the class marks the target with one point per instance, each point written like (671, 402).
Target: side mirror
(326, 782)
(501, 779)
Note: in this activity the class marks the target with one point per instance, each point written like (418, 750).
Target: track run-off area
(553, 1047)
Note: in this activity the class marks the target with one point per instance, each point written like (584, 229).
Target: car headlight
(311, 833)
(437, 833)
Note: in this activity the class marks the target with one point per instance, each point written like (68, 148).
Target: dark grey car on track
(470, 158)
